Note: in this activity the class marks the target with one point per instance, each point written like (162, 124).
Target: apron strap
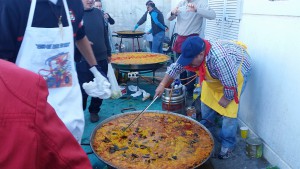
(32, 9)
(67, 12)
(31, 13)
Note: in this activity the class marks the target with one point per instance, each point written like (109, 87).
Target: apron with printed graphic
(212, 92)
(50, 53)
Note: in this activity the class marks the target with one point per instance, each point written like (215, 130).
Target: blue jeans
(157, 43)
(227, 134)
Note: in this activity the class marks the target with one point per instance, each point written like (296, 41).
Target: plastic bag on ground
(132, 88)
(138, 92)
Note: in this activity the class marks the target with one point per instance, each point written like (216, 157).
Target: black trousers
(85, 75)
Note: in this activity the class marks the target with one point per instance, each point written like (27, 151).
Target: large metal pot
(136, 112)
(174, 100)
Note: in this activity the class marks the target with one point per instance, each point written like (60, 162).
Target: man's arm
(85, 49)
(173, 14)
(166, 82)
(107, 43)
(143, 19)
(154, 16)
(110, 19)
(225, 68)
(205, 11)
(102, 88)
(173, 71)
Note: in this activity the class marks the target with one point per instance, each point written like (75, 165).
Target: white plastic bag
(138, 92)
(115, 89)
(95, 90)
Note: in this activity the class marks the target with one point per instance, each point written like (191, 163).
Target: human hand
(98, 72)
(191, 7)
(106, 16)
(224, 102)
(109, 59)
(175, 11)
(166, 29)
(135, 27)
(100, 87)
(159, 90)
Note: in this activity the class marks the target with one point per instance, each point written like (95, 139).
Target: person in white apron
(50, 53)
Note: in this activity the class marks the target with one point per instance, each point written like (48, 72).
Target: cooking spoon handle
(140, 114)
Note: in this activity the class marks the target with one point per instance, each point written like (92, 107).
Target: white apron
(50, 53)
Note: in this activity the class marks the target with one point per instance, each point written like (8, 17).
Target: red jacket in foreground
(32, 135)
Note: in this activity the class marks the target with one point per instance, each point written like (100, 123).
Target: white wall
(127, 13)
(270, 105)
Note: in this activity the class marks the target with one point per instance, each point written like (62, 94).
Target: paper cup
(244, 132)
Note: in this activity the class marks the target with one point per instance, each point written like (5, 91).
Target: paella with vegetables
(156, 140)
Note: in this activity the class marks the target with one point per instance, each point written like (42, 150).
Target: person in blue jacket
(158, 27)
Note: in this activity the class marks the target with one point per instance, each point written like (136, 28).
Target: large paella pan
(157, 140)
(128, 33)
(138, 60)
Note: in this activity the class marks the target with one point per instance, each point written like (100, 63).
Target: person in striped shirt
(223, 68)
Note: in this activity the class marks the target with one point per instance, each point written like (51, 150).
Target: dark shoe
(94, 117)
(225, 153)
